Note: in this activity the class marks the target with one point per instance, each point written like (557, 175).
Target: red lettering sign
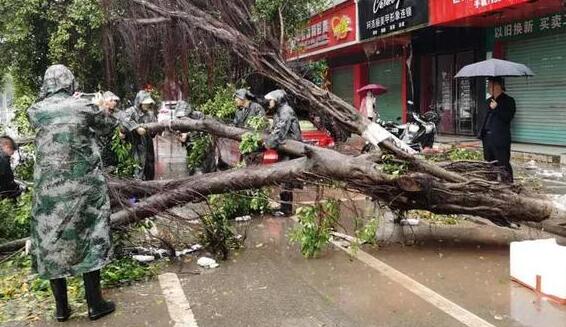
(445, 11)
(325, 32)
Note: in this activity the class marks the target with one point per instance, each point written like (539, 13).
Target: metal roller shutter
(343, 83)
(541, 100)
(388, 74)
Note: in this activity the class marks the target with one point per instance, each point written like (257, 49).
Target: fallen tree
(444, 190)
(415, 190)
(231, 23)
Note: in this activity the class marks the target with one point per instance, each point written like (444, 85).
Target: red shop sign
(444, 11)
(332, 29)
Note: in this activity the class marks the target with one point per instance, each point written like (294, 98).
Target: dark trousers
(286, 198)
(501, 154)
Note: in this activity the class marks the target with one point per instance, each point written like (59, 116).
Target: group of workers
(71, 205)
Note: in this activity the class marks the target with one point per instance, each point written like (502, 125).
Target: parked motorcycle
(419, 133)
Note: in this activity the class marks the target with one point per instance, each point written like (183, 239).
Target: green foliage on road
(218, 235)
(24, 297)
(393, 166)
(456, 154)
(316, 223)
(434, 219)
(220, 106)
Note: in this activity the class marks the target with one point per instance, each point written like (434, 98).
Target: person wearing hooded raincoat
(285, 126)
(285, 122)
(142, 142)
(184, 110)
(70, 226)
(107, 101)
(248, 108)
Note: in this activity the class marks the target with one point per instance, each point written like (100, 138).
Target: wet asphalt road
(269, 283)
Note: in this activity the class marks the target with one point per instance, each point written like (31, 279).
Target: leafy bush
(127, 164)
(200, 146)
(258, 123)
(15, 217)
(250, 142)
(221, 106)
(24, 169)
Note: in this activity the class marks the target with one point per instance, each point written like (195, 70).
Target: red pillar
(361, 79)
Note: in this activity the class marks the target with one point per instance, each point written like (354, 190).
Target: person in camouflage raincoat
(285, 126)
(142, 142)
(71, 208)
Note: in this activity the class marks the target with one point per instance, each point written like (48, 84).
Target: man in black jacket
(496, 129)
(8, 186)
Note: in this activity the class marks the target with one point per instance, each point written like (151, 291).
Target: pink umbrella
(377, 89)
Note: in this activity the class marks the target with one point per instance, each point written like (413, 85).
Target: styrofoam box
(544, 259)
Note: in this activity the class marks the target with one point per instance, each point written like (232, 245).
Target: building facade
(415, 47)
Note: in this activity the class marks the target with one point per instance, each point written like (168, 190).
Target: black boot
(97, 306)
(59, 289)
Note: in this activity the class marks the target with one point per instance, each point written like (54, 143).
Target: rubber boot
(97, 306)
(59, 289)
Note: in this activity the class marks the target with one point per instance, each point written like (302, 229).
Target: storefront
(384, 28)
(332, 36)
(539, 43)
(440, 53)
(529, 32)
(363, 42)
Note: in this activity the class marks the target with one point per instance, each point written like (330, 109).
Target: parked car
(229, 150)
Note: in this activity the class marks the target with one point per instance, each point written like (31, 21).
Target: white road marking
(177, 303)
(457, 312)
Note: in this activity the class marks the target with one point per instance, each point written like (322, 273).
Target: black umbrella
(494, 68)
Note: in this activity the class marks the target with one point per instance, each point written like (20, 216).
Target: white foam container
(541, 266)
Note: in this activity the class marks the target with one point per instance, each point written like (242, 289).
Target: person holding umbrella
(495, 131)
(368, 106)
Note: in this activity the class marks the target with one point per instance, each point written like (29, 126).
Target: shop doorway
(455, 100)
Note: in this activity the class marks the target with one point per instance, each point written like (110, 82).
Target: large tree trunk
(413, 191)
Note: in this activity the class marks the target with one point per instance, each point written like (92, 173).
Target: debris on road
(243, 218)
(143, 258)
(207, 262)
(190, 250)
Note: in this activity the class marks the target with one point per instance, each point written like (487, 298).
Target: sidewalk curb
(518, 155)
